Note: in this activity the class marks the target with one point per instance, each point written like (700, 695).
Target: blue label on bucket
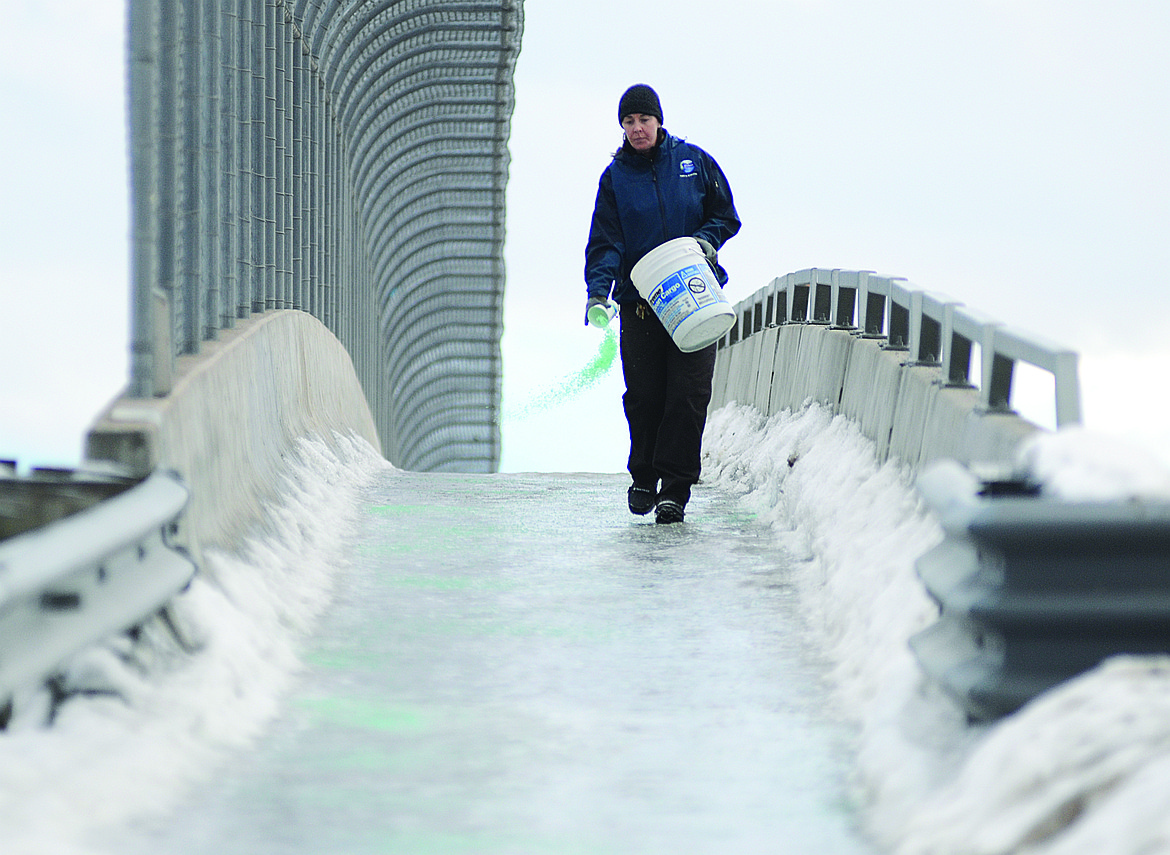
(681, 294)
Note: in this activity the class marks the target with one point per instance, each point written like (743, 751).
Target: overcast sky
(1009, 153)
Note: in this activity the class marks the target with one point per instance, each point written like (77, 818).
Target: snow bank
(156, 719)
(1084, 768)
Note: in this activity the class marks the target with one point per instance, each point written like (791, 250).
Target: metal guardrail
(348, 159)
(103, 568)
(932, 328)
(1034, 590)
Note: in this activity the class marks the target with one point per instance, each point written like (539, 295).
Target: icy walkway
(517, 665)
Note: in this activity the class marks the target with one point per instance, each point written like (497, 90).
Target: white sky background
(1009, 153)
(64, 292)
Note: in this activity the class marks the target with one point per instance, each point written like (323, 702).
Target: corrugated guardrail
(98, 571)
(1034, 590)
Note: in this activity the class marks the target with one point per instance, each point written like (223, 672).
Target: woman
(658, 187)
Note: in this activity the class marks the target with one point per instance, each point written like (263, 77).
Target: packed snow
(1085, 768)
(163, 719)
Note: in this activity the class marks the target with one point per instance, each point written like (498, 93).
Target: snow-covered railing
(1032, 589)
(97, 571)
(933, 328)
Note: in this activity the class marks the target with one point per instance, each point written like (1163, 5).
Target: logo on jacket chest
(686, 169)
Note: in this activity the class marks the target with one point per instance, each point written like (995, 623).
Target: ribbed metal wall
(348, 159)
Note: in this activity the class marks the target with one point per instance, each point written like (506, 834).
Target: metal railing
(932, 328)
(1033, 590)
(345, 158)
(106, 566)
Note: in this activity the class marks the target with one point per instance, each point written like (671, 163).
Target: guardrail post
(915, 343)
(151, 205)
(955, 357)
(873, 293)
(799, 294)
(163, 376)
(844, 299)
(776, 302)
(996, 391)
(900, 315)
(927, 332)
(1068, 390)
(821, 296)
(783, 299)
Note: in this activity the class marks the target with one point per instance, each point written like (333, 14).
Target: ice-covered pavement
(1084, 769)
(515, 664)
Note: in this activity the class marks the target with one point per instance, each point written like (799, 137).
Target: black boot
(669, 511)
(641, 500)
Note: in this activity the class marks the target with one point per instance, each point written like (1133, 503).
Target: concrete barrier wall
(904, 408)
(232, 418)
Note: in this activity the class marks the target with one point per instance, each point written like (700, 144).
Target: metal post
(149, 369)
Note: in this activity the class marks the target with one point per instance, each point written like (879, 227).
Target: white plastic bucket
(675, 279)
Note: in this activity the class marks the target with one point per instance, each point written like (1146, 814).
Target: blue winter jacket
(678, 190)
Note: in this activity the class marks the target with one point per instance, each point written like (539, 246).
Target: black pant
(667, 393)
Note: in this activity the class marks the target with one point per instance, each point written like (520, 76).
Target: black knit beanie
(640, 98)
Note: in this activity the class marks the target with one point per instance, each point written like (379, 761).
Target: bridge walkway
(515, 664)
